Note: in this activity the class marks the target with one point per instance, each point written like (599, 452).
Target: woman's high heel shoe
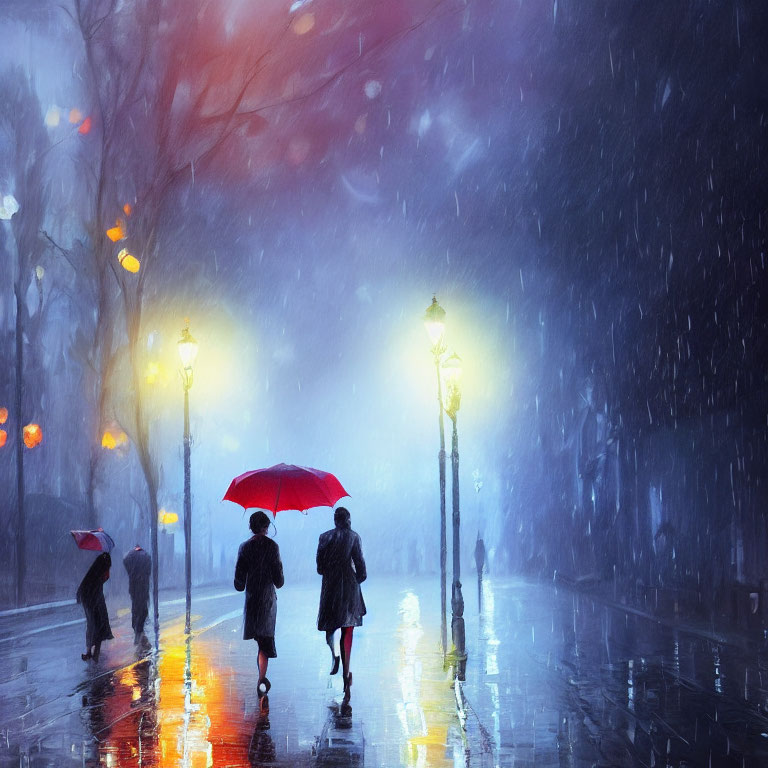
(335, 667)
(85, 656)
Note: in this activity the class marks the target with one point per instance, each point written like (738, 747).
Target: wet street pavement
(554, 678)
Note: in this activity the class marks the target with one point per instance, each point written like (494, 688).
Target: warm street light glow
(187, 349)
(152, 374)
(113, 437)
(434, 322)
(33, 435)
(3, 437)
(3, 415)
(127, 209)
(167, 518)
(128, 262)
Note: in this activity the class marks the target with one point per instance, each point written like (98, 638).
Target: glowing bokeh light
(128, 262)
(33, 435)
(117, 232)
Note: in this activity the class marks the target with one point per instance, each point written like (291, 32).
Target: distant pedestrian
(340, 562)
(90, 594)
(258, 571)
(138, 564)
(479, 564)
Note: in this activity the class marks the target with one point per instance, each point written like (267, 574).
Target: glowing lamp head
(434, 322)
(167, 518)
(128, 262)
(33, 435)
(3, 437)
(187, 350)
(3, 415)
(452, 375)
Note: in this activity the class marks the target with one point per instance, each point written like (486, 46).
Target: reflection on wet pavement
(554, 679)
(426, 707)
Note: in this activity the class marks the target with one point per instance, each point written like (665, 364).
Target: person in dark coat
(258, 571)
(138, 564)
(340, 562)
(90, 594)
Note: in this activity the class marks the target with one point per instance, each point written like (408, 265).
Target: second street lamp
(187, 352)
(434, 321)
(452, 374)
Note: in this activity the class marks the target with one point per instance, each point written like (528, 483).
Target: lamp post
(452, 374)
(187, 352)
(434, 321)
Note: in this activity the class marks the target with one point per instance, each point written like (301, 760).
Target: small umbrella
(285, 486)
(97, 540)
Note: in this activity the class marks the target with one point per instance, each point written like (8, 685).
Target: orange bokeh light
(3, 415)
(85, 126)
(33, 435)
(3, 437)
(127, 210)
(117, 232)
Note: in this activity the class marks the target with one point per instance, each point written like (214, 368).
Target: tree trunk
(19, 401)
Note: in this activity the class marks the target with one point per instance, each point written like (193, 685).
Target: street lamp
(187, 352)
(434, 322)
(452, 374)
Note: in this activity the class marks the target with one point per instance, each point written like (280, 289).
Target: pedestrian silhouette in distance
(258, 572)
(479, 564)
(90, 594)
(138, 565)
(340, 562)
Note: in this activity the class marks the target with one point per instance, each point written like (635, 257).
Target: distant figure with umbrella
(90, 593)
(340, 562)
(258, 571)
(138, 565)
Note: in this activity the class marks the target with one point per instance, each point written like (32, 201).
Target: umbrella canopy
(285, 486)
(97, 540)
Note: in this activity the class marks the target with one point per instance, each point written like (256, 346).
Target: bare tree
(171, 96)
(22, 121)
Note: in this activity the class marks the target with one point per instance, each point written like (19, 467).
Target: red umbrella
(285, 486)
(97, 540)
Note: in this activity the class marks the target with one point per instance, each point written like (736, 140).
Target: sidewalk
(570, 677)
(733, 622)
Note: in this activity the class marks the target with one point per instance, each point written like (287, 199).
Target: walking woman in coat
(340, 562)
(90, 594)
(258, 571)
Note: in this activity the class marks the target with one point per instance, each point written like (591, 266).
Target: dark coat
(138, 564)
(90, 594)
(258, 571)
(340, 562)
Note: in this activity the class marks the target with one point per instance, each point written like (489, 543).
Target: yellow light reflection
(178, 713)
(426, 710)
